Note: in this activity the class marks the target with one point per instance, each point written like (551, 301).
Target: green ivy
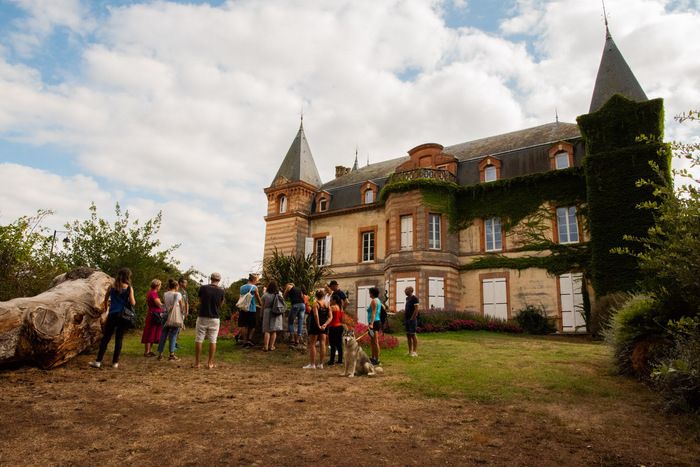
(563, 259)
(615, 160)
(511, 199)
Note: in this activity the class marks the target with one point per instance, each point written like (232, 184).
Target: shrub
(449, 320)
(533, 320)
(677, 376)
(636, 335)
(603, 309)
(385, 341)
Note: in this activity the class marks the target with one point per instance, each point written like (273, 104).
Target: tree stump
(51, 328)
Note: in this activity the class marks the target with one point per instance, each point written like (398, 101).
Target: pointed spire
(556, 115)
(355, 165)
(298, 164)
(614, 75)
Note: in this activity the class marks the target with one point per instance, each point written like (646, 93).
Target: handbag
(175, 319)
(128, 314)
(159, 318)
(244, 300)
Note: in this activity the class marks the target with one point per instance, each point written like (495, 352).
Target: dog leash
(363, 335)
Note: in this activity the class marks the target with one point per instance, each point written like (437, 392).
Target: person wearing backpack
(246, 316)
(273, 306)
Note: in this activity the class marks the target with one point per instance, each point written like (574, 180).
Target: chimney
(340, 170)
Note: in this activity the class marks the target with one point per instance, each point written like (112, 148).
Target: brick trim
(487, 161)
(360, 232)
(561, 146)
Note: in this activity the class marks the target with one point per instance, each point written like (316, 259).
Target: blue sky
(188, 107)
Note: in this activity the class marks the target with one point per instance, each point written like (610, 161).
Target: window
(367, 246)
(283, 204)
(322, 205)
(561, 160)
(490, 174)
(434, 231)
(494, 292)
(492, 231)
(320, 251)
(567, 225)
(369, 197)
(406, 232)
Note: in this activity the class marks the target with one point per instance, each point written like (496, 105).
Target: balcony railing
(435, 174)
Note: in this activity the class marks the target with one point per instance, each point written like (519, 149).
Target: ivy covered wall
(615, 160)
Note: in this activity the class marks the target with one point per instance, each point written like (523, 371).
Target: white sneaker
(310, 366)
(115, 365)
(319, 366)
(95, 364)
(414, 354)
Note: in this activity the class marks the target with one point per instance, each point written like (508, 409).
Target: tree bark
(51, 328)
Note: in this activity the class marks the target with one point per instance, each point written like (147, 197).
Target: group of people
(324, 321)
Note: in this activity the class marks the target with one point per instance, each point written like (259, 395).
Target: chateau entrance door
(571, 300)
(362, 303)
(401, 285)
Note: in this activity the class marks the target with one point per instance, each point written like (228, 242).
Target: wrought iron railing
(435, 174)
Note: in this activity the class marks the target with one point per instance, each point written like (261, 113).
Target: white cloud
(197, 105)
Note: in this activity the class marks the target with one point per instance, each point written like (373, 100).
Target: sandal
(173, 358)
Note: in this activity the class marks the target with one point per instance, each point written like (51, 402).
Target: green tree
(109, 246)
(670, 254)
(26, 263)
(299, 269)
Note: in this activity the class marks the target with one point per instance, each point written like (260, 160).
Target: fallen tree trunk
(51, 328)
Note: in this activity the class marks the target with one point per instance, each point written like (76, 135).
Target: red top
(337, 316)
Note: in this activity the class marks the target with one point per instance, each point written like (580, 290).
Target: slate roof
(521, 152)
(298, 164)
(614, 77)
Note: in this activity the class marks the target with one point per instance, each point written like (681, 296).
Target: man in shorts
(411, 321)
(246, 318)
(211, 297)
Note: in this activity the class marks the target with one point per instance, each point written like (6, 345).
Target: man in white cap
(211, 297)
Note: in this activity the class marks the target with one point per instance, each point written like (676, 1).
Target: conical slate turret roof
(298, 164)
(614, 77)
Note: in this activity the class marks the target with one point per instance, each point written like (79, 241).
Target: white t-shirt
(172, 299)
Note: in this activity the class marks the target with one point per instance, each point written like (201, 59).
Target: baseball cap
(215, 276)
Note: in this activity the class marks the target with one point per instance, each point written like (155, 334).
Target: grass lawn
(478, 365)
(489, 366)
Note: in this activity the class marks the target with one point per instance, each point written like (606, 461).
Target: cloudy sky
(189, 106)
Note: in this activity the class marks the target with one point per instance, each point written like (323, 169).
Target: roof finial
(556, 115)
(605, 17)
(301, 114)
(354, 166)
(367, 158)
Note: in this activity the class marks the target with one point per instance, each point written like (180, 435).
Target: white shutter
(329, 248)
(436, 292)
(571, 298)
(308, 246)
(495, 298)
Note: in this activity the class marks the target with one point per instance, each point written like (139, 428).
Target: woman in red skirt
(152, 330)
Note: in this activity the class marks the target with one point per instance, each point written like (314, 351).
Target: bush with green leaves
(636, 334)
(533, 320)
(677, 375)
(299, 269)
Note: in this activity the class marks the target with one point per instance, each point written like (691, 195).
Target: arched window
(490, 173)
(369, 196)
(561, 160)
(282, 203)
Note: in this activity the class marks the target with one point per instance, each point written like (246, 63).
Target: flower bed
(449, 320)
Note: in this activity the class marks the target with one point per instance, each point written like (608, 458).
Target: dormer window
(561, 160)
(282, 203)
(368, 192)
(323, 205)
(561, 156)
(489, 169)
(490, 174)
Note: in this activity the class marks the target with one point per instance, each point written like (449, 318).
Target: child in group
(335, 330)
(319, 320)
